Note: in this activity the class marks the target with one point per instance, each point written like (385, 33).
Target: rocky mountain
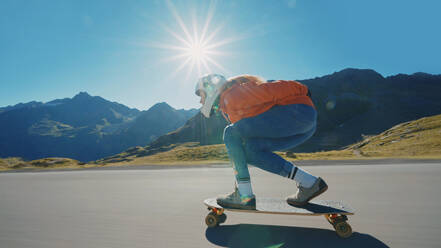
(351, 103)
(156, 121)
(83, 127)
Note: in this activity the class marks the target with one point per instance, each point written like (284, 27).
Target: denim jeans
(253, 140)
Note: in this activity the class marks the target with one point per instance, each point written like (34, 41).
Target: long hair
(243, 79)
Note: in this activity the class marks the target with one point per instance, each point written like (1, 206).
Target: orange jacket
(243, 100)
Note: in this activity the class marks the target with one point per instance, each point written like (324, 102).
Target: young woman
(265, 117)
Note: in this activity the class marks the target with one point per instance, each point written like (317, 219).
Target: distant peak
(161, 105)
(82, 94)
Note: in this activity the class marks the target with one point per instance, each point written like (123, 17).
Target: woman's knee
(230, 133)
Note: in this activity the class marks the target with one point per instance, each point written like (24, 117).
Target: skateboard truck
(342, 228)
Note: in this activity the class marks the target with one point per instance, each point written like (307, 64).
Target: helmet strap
(215, 109)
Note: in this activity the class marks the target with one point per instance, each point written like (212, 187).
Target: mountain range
(83, 127)
(351, 104)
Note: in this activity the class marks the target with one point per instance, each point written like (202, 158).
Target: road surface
(397, 205)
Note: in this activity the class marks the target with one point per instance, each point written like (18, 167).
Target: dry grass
(45, 163)
(9, 163)
(415, 139)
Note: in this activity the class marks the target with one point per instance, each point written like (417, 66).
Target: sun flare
(196, 50)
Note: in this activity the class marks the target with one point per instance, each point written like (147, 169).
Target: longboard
(335, 212)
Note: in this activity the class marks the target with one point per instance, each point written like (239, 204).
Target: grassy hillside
(420, 138)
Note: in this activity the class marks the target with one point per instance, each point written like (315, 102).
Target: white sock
(302, 177)
(245, 188)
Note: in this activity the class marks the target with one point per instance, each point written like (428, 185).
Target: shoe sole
(297, 204)
(237, 206)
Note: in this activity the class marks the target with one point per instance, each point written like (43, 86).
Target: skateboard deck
(334, 211)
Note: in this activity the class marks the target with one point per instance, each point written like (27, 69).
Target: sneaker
(304, 195)
(235, 200)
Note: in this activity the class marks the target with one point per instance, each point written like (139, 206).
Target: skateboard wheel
(211, 220)
(343, 229)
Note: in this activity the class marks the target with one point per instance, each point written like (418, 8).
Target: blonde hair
(245, 78)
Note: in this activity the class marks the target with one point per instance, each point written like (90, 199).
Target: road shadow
(247, 235)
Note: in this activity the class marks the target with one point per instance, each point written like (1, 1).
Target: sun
(198, 52)
(197, 49)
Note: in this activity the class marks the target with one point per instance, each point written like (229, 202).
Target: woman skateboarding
(265, 117)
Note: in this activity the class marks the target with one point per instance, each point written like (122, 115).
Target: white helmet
(211, 84)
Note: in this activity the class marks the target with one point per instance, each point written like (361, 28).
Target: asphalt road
(397, 205)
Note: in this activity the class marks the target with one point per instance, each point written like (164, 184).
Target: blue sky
(123, 50)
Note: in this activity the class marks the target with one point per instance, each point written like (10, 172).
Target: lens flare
(197, 52)
(196, 49)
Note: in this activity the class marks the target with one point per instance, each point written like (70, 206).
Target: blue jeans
(253, 140)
